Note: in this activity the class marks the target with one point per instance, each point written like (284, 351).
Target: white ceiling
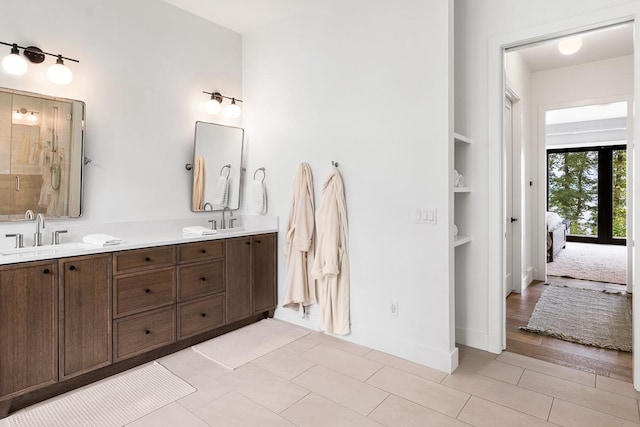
(597, 45)
(241, 16)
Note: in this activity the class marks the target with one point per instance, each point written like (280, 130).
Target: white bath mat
(246, 344)
(113, 402)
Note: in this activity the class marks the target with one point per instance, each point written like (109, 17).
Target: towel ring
(228, 172)
(264, 174)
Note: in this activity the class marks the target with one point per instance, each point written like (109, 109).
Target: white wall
(477, 22)
(143, 66)
(596, 82)
(365, 83)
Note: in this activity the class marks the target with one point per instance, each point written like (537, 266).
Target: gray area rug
(583, 316)
(589, 261)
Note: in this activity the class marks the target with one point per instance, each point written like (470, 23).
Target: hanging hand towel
(258, 197)
(198, 184)
(222, 192)
(198, 230)
(100, 239)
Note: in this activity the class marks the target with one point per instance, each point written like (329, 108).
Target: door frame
(496, 320)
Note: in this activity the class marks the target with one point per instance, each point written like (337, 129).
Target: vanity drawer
(199, 251)
(142, 259)
(200, 315)
(143, 332)
(143, 291)
(200, 279)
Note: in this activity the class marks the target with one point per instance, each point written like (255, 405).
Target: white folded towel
(198, 230)
(258, 199)
(100, 239)
(222, 192)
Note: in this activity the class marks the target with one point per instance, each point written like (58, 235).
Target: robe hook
(334, 163)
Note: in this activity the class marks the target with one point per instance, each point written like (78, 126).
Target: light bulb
(17, 115)
(570, 46)
(59, 73)
(232, 110)
(32, 117)
(14, 63)
(212, 106)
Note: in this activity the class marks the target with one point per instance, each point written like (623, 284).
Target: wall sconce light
(214, 105)
(22, 114)
(16, 65)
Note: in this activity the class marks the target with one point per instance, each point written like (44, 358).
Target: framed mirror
(41, 155)
(217, 167)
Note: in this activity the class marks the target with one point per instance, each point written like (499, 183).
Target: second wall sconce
(17, 65)
(214, 105)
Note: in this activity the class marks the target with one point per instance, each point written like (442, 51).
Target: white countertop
(135, 235)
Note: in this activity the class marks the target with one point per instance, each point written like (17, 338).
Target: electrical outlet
(393, 309)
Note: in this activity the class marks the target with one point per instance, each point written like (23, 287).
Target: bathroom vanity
(69, 321)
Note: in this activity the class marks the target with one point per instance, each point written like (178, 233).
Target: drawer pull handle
(258, 241)
(147, 291)
(204, 251)
(203, 279)
(72, 267)
(147, 332)
(203, 314)
(247, 243)
(147, 259)
(45, 271)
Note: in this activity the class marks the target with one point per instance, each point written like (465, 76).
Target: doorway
(599, 214)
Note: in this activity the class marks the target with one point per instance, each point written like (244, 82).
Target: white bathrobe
(331, 266)
(298, 245)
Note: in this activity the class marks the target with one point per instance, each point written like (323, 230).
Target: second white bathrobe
(331, 266)
(298, 245)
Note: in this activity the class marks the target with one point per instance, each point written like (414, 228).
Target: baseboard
(446, 361)
(472, 338)
(527, 279)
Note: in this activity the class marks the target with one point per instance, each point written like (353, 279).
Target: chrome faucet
(28, 214)
(224, 223)
(37, 236)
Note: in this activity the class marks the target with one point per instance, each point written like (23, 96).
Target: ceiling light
(569, 46)
(14, 63)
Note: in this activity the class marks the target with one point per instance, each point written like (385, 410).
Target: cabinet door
(28, 327)
(85, 314)
(238, 273)
(263, 269)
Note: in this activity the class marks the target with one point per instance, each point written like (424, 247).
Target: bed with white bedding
(557, 230)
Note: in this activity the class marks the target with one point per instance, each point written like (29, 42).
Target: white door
(508, 143)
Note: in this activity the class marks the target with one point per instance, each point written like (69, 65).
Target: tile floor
(322, 381)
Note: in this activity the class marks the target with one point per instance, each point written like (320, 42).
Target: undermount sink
(44, 250)
(230, 230)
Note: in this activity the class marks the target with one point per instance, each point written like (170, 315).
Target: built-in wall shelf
(461, 240)
(462, 189)
(461, 138)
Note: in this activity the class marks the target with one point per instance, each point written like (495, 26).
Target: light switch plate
(426, 216)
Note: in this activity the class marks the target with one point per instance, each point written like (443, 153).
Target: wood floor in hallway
(610, 363)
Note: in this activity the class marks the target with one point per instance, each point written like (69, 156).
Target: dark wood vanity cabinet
(28, 327)
(68, 322)
(85, 314)
(251, 276)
